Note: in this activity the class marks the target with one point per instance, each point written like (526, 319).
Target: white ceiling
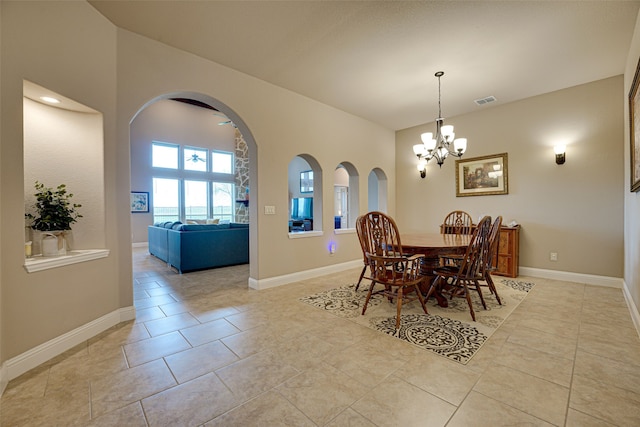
(377, 59)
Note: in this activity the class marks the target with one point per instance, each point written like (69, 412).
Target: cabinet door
(507, 250)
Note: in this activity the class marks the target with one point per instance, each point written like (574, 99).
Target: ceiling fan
(226, 121)
(195, 158)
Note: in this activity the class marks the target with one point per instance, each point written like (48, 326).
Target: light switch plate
(269, 210)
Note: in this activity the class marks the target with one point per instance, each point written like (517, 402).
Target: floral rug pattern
(449, 331)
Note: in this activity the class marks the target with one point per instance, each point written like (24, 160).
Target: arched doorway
(199, 130)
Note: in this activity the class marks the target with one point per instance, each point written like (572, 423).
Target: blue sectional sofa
(189, 247)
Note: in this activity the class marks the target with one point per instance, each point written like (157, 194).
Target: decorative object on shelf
(139, 202)
(560, 151)
(53, 243)
(482, 176)
(55, 212)
(634, 118)
(438, 147)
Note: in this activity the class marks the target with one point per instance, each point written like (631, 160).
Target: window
(222, 200)
(165, 155)
(195, 199)
(192, 191)
(221, 162)
(195, 159)
(165, 200)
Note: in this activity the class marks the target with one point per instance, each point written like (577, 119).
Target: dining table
(432, 246)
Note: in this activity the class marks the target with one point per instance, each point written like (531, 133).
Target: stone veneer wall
(242, 178)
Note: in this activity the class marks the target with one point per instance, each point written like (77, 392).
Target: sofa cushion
(238, 225)
(201, 227)
(170, 224)
(213, 221)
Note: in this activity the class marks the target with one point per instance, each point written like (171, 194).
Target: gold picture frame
(482, 176)
(634, 123)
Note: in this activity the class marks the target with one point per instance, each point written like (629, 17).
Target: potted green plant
(55, 212)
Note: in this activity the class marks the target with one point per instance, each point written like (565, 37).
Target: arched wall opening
(305, 194)
(377, 190)
(223, 125)
(346, 198)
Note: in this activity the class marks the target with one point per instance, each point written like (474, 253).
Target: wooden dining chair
(457, 222)
(458, 280)
(491, 255)
(361, 239)
(397, 273)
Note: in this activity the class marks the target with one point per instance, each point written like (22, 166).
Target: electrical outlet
(553, 256)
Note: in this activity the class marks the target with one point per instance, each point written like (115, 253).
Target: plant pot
(53, 243)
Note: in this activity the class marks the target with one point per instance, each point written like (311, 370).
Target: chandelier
(438, 147)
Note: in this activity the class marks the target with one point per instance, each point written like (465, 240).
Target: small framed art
(139, 201)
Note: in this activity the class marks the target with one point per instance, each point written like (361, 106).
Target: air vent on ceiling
(487, 100)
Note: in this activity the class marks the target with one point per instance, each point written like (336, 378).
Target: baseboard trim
(633, 308)
(4, 378)
(272, 282)
(140, 245)
(28, 360)
(567, 276)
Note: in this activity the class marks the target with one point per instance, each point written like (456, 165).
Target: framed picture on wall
(306, 182)
(139, 201)
(634, 123)
(482, 176)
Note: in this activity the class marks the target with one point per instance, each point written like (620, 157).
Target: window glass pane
(165, 156)
(165, 200)
(195, 199)
(221, 162)
(195, 159)
(223, 200)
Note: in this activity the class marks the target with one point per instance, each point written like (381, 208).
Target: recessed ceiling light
(50, 100)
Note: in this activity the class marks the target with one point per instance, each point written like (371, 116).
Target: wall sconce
(560, 154)
(422, 168)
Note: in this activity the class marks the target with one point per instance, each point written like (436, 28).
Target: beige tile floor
(206, 350)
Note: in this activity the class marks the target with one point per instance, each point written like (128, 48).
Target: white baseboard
(22, 363)
(4, 378)
(633, 308)
(272, 282)
(140, 245)
(567, 276)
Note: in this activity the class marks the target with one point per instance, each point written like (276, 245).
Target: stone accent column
(242, 178)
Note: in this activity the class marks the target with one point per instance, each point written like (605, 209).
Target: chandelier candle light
(438, 147)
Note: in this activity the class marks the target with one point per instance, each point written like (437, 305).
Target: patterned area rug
(449, 332)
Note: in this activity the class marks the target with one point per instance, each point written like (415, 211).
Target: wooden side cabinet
(508, 252)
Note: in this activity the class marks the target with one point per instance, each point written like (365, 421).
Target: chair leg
(364, 308)
(399, 305)
(420, 298)
(477, 285)
(468, 296)
(432, 288)
(361, 276)
(492, 286)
